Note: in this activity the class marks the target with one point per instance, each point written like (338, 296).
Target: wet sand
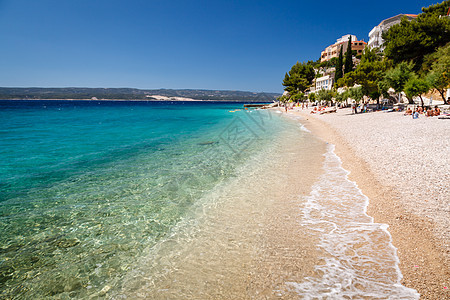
(422, 249)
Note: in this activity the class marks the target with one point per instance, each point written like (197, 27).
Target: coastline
(138, 100)
(419, 240)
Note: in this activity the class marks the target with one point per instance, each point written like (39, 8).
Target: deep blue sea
(85, 186)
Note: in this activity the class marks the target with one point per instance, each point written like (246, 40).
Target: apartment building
(333, 50)
(324, 83)
(326, 79)
(375, 35)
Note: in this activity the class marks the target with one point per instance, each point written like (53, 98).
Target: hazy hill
(131, 94)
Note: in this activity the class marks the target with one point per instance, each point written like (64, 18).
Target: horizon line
(179, 89)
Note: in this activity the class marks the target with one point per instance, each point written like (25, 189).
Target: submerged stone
(207, 143)
(67, 243)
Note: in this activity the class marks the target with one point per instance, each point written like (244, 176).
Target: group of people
(420, 110)
(319, 108)
(289, 106)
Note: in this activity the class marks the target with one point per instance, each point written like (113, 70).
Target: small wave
(299, 118)
(303, 128)
(359, 259)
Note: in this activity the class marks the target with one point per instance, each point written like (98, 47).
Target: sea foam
(358, 258)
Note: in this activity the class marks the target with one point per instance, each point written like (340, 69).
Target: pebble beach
(403, 166)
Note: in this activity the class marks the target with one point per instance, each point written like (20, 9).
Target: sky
(175, 44)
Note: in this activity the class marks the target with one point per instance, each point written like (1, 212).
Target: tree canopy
(439, 9)
(397, 77)
(339, 66)
(325, 95)
(299, 78)
(367, 74)
(413, 40)
(416, 86)
(356, 93)
(348, 65)
(439, 75)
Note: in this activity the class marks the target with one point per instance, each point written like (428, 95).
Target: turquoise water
(127, 200)
(85, 187)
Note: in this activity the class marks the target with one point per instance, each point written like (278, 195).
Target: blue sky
(218, 45)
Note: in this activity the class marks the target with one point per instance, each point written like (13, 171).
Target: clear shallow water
(127, 200)
(86, 186)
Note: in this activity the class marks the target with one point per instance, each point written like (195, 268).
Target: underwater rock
(67, 243)
(207, 143)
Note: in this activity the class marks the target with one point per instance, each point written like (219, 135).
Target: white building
(324, 83)
(345, 38)
(375, 35)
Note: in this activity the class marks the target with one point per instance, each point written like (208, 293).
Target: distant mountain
(131, 94)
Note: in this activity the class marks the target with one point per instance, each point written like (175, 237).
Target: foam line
(359, 259)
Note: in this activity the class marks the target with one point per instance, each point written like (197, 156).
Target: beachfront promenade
(403, 166)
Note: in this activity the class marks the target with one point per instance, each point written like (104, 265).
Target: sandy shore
(403, 166)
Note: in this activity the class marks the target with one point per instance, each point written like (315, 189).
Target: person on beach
(420, 110)
(408, 112)
(437, 111)
(430, 112)
(415, 115)
(354, 107)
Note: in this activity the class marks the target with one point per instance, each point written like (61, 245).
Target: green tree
(368, 74)
(440, 9)
(397, 77)
(339, 65)
(348, 67)
(416, 86)
(299, 78)
(383, 88)
(413, 40)
(287, 82)
(342, 97)
(439, 76)
(325, 95)
(312, 97)
(282, 99)
(298, 97)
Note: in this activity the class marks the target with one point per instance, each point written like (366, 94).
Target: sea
(181, 200)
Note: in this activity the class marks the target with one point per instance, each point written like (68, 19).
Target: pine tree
(348, 57)
(339, 65)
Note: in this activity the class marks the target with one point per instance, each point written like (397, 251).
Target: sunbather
(420, 110)
(437, 111)
(408, 112)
